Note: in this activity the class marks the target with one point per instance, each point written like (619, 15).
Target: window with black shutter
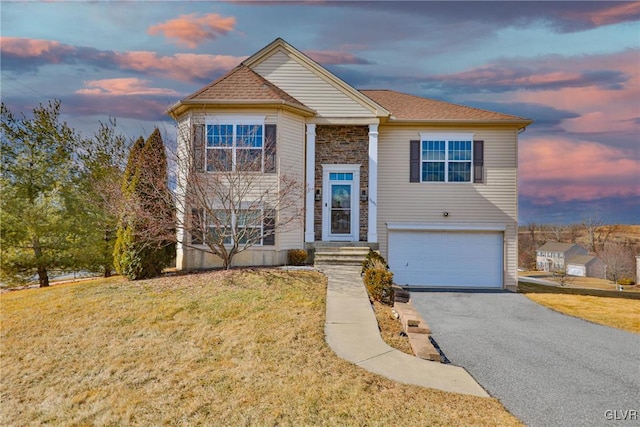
(198, 147)
(270, 158)
(268, 228)
(414, 161)
(478, 161)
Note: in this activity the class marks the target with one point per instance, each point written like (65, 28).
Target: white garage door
(576, 270)
(446, 258)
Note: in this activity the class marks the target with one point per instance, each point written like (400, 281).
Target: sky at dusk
(573, 67)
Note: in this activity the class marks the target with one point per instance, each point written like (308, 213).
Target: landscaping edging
(414, 326)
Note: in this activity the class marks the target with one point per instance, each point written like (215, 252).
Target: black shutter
(198, 147)
(478, 161)
(197, 229)
(270, 148)
(268, 228)
(414, 161)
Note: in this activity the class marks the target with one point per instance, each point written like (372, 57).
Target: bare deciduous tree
(597, 232)
(557, 231)
(573, 231)
(561, 277)
(230, 194)
(619, 259)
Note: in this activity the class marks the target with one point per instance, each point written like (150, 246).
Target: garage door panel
(448, 258)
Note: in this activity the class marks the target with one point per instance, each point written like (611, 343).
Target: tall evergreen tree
(102, 159)
(145, 237)
(37, 192)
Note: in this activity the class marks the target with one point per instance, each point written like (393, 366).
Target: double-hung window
(254, 226)
(235, 147)
(234, 143)
(446, 158)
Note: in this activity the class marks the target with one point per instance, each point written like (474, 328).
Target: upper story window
(446, 160)
(235, 147)
(234, 143)
(446, 157)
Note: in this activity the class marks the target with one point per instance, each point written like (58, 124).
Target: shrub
(626, 281)
(378, 282)
(372, 258)
(297, 256)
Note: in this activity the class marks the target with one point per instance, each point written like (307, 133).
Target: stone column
(372, 235)
(310, 183)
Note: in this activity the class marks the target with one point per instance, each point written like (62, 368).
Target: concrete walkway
(352, 332)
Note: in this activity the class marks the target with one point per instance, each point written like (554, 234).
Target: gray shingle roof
(556, 247)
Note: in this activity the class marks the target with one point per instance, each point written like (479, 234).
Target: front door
(340, 203)
(340, 206)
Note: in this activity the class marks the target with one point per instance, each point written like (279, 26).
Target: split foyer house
(432, 185)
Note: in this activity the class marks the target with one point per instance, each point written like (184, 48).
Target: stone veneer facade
(342, 145)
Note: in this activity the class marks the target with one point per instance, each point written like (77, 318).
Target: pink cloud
(192, 30)
(20, 54)
(562, 169)
(182, 66)
(31, 47)
(334, 57)
(123, 86)
(600, 109)
(611, 15)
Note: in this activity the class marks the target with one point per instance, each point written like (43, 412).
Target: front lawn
(244, 347)
(611, 308)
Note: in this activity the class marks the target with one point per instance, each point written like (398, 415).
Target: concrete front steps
(339, 255)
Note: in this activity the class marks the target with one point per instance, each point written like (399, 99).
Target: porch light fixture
(445, 214)
(363, 196)
(318, 195)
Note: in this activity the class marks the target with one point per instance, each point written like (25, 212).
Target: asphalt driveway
(547, 369)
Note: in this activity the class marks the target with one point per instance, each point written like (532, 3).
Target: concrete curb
(351, 330)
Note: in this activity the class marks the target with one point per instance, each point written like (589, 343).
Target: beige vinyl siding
(183, 126)
(290, 157)
(491, 202)
(309, 88)
(291, 140)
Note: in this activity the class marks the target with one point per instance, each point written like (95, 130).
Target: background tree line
(74, 203)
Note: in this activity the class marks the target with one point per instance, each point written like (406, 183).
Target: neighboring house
(585, 266)
(553, 255)
(432, 184)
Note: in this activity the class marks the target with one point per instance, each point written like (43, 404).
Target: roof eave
(180, 107)
(509, 122)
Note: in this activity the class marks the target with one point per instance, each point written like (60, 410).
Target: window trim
(447, 138)
(268, 215)
(235, 121)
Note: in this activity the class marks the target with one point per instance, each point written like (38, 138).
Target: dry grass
(390, 328)
(616, 309)
(580, 282)
(221, 348)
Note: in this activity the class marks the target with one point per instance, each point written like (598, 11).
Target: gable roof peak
(242, 85)
(279, 43)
